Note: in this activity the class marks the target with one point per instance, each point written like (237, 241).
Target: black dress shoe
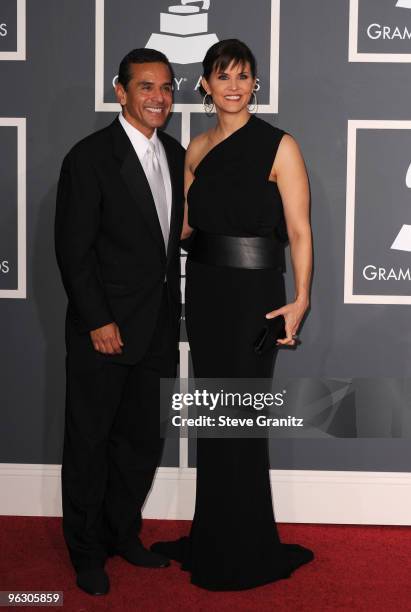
(174, 549)
(138, 555)
(93, 581)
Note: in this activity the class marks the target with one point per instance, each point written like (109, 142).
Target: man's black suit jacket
(109, 244)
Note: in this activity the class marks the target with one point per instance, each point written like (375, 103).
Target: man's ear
(121, 94)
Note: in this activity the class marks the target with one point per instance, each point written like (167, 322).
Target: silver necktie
(156, 181)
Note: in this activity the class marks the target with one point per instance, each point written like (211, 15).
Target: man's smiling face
(148, 98)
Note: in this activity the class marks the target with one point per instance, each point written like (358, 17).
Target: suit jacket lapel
(136, 181)
(174, 221)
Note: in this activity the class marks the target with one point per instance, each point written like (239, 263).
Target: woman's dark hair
(139, 56)
(224, 53)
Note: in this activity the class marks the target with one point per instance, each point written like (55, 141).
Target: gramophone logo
(184, 30)
(184, 36)
(403, 240)
(377, 241)
(380, 31)
(13, 30)
(13, 207)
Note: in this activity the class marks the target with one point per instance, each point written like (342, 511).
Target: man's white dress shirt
(140, 144)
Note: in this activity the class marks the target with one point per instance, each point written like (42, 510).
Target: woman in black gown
(244, 178)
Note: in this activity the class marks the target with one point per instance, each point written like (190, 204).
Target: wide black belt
(251, 252)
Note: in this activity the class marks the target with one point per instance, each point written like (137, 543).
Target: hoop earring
(208, 105)
(252, 107)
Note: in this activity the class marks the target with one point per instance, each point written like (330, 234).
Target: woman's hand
(293, 314)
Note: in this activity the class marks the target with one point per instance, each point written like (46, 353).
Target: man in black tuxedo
(118, 221)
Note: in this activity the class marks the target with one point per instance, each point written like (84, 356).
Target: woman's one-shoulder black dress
(233, 543)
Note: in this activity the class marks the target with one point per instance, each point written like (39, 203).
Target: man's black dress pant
(112, 444)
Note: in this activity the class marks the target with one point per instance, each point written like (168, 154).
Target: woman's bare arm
(291, 176)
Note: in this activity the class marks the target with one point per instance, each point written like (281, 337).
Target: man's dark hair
(140, 56)
(223, 53)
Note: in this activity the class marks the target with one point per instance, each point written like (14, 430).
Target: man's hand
(107, 339)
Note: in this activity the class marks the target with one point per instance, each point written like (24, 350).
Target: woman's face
(231, 88)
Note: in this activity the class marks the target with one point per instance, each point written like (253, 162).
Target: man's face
(147, 101)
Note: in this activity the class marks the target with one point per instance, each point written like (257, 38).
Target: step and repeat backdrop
(334, 74)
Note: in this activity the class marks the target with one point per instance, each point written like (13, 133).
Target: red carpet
(356, 568)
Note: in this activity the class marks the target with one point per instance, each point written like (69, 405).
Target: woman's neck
(227, 123)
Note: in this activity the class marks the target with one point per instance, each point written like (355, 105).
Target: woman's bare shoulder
(288, 145)
(197, 148)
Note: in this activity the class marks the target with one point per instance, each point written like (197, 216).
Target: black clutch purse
(270, 333)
